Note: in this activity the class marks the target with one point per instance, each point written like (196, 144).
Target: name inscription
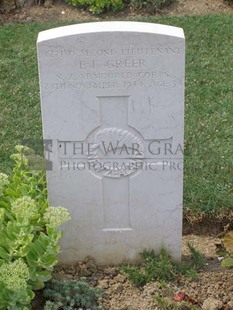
(114, 69)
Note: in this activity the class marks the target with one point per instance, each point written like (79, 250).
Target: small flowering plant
(28, 233)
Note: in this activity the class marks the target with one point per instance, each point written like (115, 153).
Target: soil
(213, 289)
(57, 11)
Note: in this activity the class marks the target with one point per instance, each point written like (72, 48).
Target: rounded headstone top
(116, 26)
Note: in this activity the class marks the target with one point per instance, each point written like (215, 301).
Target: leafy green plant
(155, 267)
(70, 295)
(28, 233)
(150, 5)
(159, 267)
(98, 6)
(197, 258)
(135, 275)
(228, 245)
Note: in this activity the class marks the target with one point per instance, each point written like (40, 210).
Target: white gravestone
(112, 97)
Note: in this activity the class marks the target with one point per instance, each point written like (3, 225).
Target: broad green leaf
(11, 193)
(4, 254)
(37, 285)
(50, 259)
(13, 229)
(5, 241)
(32, 272)
(44, 275)
(32, 255)
(4, 204)
(2, 215)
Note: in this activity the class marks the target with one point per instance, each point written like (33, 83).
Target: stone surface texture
(112, 97)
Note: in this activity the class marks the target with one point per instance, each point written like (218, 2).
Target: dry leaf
(228, 241)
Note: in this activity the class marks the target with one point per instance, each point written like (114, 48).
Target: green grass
(209, 103)
(159, 267)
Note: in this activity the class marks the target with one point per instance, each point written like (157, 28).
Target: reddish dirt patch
(62, 12)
